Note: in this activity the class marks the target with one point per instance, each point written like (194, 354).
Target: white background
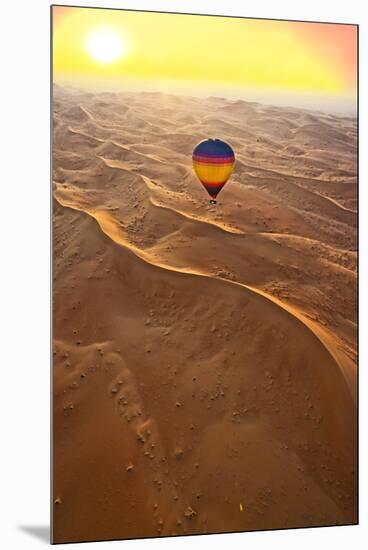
(25, 272)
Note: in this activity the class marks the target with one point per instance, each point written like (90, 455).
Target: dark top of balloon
(213, 147)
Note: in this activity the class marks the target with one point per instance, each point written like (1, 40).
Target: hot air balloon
(213, 162)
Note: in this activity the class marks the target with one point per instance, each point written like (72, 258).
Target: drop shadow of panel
(41, 532)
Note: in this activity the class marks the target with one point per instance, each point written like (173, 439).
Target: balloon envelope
(213, 162)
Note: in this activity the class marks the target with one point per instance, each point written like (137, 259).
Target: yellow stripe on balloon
(215, 173)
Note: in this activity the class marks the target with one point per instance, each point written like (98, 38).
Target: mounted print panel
(204, 274)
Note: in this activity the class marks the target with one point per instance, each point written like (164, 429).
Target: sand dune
(204, 357)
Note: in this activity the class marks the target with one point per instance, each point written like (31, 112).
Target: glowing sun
(106, 46)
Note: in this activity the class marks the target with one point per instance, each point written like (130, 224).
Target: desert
(205, 356)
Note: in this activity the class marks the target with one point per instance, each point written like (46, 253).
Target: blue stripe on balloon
(213, 190)
(214, 147)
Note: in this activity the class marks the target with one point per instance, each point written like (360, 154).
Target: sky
(279, 62)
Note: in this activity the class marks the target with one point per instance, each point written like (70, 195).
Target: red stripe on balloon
(213, 184)
(213, 160)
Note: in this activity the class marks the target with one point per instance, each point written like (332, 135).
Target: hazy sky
(305, 64)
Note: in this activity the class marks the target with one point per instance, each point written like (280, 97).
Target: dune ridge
(178, 325)
(110, 228)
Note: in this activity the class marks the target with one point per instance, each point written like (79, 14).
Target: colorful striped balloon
(213, 162)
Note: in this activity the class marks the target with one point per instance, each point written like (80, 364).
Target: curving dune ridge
(204, 357)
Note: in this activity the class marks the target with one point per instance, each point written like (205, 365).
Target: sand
(204, 356)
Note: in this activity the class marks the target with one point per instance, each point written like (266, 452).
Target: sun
(106, 46)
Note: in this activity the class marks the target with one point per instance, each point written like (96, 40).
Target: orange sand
(204, 357)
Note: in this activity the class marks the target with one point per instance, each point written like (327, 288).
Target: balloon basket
(212, 201)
